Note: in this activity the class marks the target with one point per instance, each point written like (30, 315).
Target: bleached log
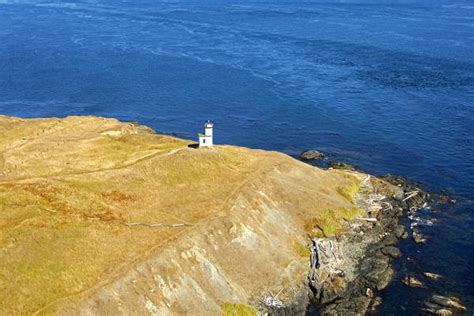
(331, 249)
(321, 247)
(388, 205)
(367, 219)
(338, 253)
(271, 301)
(364, 182)
(410, 195)
(279, 292)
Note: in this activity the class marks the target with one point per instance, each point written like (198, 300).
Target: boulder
(411, 281)
(390, 240)
(391, 251)
(312, 155)
(418, 237)
(443, 312)
(379, 272)
(343, 165)
(431, 276)
(448, 302)
(399, 231)
(376, 302)
(436, 309)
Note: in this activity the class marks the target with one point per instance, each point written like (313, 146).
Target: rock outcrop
(312, 155)
(351, 281)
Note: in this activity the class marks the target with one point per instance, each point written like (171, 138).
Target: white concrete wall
(205, 141)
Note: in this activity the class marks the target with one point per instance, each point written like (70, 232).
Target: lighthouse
(205, 140)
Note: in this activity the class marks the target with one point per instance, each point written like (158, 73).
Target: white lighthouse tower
(205, 140)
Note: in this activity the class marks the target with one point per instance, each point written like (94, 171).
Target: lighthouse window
(203, 141)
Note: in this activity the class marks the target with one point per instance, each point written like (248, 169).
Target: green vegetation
(331, 222)
(236, 309)
(349, 190)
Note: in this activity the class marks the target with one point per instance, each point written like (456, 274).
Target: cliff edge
(106, 217)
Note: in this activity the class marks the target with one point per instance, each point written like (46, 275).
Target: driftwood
(367, 219)
(410, 195)
(376, 203)
(331, 249)
(387, 205)
(364, 182)
(271, 300)
(322, 248)
(338, 255)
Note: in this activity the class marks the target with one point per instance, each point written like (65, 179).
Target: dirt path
(146, 157)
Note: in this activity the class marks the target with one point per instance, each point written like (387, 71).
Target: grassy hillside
(69, 187)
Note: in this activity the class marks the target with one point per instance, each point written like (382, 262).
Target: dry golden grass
(301, 249)
(68, 185)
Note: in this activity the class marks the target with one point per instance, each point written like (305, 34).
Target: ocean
(385, 85)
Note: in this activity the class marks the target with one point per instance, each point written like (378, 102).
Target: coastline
(370, 248)
(90, 174)
(342, 271)
(354, 266)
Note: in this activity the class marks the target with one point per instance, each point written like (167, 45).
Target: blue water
(386, 85)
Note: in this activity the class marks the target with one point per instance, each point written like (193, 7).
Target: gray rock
(436, 309)
(443, 312)
(399, 230)
(448, 301)
(411, 281)
(390, 240)
(384, 278)
(391, 251)
(312, 155)
(431, 276)
(379, 273)
(432, 306)
(343, 165)
(346, 307)
(418, 237)
(376, 302)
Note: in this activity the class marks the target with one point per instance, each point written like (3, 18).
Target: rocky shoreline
(353, 267)
(348, 270)
(369, 248)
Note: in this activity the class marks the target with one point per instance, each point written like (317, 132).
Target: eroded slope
(227, 223)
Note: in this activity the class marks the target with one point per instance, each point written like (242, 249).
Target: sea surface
(385, 85)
